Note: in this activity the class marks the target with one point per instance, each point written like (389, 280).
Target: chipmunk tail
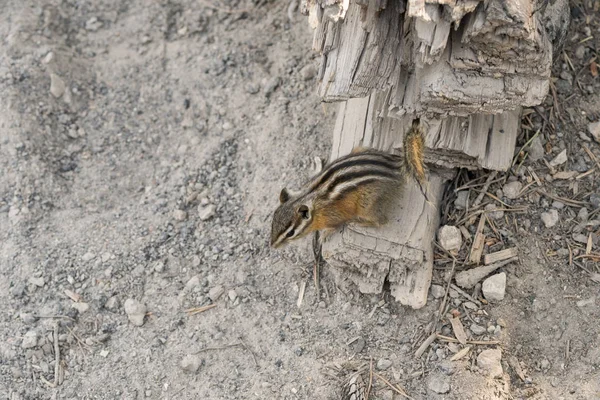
(414, 155)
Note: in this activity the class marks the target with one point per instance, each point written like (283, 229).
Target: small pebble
(450, 238)
(190, 364)
(88, 256)
(512, 189)
(112, 303)
(206, 212)
(558, 205)
(57, 86)
(215, 293)
(37, 281)
(135, 311)
(271, 85)
(81, 307)
(383, 364)
(29, 340)
(477, 329)
(536, 149)
(595, 200)
(550, 218)
(489, 362)
(438, 384)
(594, 130)
(494, 287)
(358, 345)
(232, 295)
(179, 215)
(560, 159)
(308, 72)
(437, 291)
(28, 318)
(583, 214)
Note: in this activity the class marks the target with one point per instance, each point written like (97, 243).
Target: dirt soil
(142, 149)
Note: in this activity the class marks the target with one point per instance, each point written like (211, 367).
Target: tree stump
(466, 68)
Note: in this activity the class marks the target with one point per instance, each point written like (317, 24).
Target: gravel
(512, 189)
(190, 364)
(215, 293)
(135, 311)
(494, 287)
(489, 362)
(550, 218)
(438, 384)
(450, 238)
(57, 86)
(383, 364)
(594, 130)
(30, 340)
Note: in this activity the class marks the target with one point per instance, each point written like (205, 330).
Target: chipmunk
(357, 188)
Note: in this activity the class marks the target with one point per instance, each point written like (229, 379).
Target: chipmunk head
(290, 219)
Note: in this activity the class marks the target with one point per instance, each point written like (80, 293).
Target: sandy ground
(142, 149)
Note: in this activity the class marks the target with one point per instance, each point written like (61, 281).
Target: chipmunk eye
(290, 234)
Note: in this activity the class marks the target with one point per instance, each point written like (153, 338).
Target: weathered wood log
(502, 48)
(401, 252)
(465, 68)
(474, 142)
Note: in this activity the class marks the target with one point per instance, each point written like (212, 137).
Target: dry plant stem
(198, 310)
(370, 380)
(479, 342)
(395, 388)
(466, 295)
(443, 303)
(425, 345)
(485, 188)
(56, 355)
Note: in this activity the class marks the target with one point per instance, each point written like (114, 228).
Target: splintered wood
(465, 68)
(447, 57)
(478, 141)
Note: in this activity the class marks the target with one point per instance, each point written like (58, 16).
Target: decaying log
(502, 48)
(474, 142)
(465, 68)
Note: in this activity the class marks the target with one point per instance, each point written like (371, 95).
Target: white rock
(494, 287)
(215, 293)
(135, 311)
(438, 384)
(179, 215)
(81, 307)
(450, 238)
(489, 362)
(57, 86)
(536, 149)
(206, 212)
(233, 295)
(383, 364)
(437, 291)
(88, 256)
(29, 340)
(112, 303)
(37, 281)
(190, 364)
(560, 159)
(512, 189)
(594, 130)
(549, 218)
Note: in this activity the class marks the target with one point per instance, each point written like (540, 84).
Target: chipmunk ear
(304, 211)
(284, 196)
